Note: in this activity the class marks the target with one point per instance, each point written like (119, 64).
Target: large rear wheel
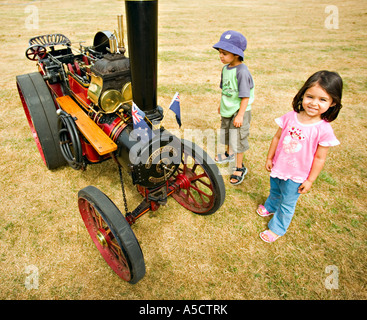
(111, 234)
(202, 189)
(40, 111)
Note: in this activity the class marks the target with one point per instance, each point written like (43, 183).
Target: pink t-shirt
(297, 146)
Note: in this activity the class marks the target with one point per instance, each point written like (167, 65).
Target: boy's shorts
(236, 137)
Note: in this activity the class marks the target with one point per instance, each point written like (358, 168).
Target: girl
(298, 150)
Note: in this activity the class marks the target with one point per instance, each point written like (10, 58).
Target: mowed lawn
(187, 256)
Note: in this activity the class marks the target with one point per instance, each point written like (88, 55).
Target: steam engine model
(80, 108)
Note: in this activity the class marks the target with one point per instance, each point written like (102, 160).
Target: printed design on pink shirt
(291, 143)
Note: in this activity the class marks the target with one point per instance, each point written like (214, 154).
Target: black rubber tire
(91, 199)
(40, 111)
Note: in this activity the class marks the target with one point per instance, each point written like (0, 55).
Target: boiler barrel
(142, 31)
(150, 164)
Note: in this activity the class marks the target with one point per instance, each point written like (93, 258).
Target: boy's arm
(272, 149)
(245, 83)
(238, 120)
(317, 165)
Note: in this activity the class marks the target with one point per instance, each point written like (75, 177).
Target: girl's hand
(269, 164)
(305, 187)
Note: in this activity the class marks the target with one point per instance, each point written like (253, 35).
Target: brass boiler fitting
(116, 40)
(121, 45)
(113, 46)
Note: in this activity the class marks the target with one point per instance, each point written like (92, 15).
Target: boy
(235, 107)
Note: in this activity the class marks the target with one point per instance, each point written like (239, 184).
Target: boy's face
(228, 58)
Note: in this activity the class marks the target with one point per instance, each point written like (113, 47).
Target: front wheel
(111, 234)
(202, 189)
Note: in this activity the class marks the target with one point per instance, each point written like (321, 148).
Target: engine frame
(79, 108)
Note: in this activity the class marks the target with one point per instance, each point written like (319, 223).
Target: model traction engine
(79, 105)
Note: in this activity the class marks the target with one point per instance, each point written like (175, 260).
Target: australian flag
(141, 128)
(175, 107)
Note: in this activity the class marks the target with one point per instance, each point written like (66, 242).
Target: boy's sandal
(268, 237)
(224, 158)
(262, 212)
(238, 178)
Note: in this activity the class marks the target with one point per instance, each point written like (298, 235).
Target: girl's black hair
(332, 83)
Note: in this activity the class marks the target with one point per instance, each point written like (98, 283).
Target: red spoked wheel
(201, 187)
(111, 234)
(36, 52)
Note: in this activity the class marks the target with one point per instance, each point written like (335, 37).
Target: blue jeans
(282, 202)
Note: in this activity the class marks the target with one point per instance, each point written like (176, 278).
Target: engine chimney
(142, 31)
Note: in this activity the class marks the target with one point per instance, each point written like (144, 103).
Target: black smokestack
(142, 31)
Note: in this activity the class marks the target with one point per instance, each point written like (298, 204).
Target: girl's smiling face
(316, 101)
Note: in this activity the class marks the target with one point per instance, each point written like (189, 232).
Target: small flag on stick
(175, 107)
(140, 126)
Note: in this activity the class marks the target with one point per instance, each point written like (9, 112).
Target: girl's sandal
(268, 237)
(262, 212)
(224, 158)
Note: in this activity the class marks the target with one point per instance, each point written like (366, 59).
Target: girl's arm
(272, 149)
(317, 165)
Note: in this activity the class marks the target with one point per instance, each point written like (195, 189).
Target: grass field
(189, 256)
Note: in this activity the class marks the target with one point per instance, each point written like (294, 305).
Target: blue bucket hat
(233, 42)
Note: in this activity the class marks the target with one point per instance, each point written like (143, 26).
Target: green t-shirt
(236, 83)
